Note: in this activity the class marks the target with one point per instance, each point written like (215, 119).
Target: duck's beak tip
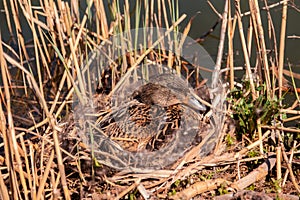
(194, 103)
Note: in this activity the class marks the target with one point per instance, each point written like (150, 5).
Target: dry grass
(41, 156)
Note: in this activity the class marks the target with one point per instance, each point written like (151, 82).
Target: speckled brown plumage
(152, 116)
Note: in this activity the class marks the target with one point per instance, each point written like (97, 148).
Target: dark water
(205, 20)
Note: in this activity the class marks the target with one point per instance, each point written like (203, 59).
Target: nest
(131, 131)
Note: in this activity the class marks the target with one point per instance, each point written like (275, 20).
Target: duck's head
(166, 91)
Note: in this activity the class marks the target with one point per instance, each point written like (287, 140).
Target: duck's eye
(136, 95)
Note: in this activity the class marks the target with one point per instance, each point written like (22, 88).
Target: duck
(151, 117)
(168, 89)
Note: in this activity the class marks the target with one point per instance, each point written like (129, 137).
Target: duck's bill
(195, 104)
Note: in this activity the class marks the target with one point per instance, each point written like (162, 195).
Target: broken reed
(59, 30)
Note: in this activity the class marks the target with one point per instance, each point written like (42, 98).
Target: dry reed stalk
(165, 14)
(166, 21)
(151, 13)
(40, 46)
(73, 47)
(290, 162)
(55, 195)
(20, 40)
(56, 98)
(159, 13)
(147, 51)
(45, 140)
(293, 130)
(33, 171)
(216, 73)
(82, 24)
(293, 37)
(45, 176)
(123, 45)
(273, 67)
(291, 119)
(7, 15)
(27, 164)
(290, 110)
(255, 15)
(167, 25)
(285, 158)
(66, 19)
(42, 38)
(66, 28)
(3, 188)
(282, 48)
(146, 14)
(59, 31)
(261, 147)
(11, 138)
(16, 17)
(214, 9)
(4, 192)
(174, 14)
(272, 34)
(249, 37)
(52, 124)
(251, 146)
(104, 24)
(56, 182)
(278, 168)
(293, 106)
(230, 35)
(60, 165)
(75, 10)
(49, 13)
(27, 11)
(245, 49)
(127, 18)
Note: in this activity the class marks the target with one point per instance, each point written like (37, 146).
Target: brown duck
(153, 114)
(166, 90)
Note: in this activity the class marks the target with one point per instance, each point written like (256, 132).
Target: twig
(293, 37)
(282, 128)
(264, 8)
(124, 192)
(215, 10)
(256, 175)
(198, 188)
